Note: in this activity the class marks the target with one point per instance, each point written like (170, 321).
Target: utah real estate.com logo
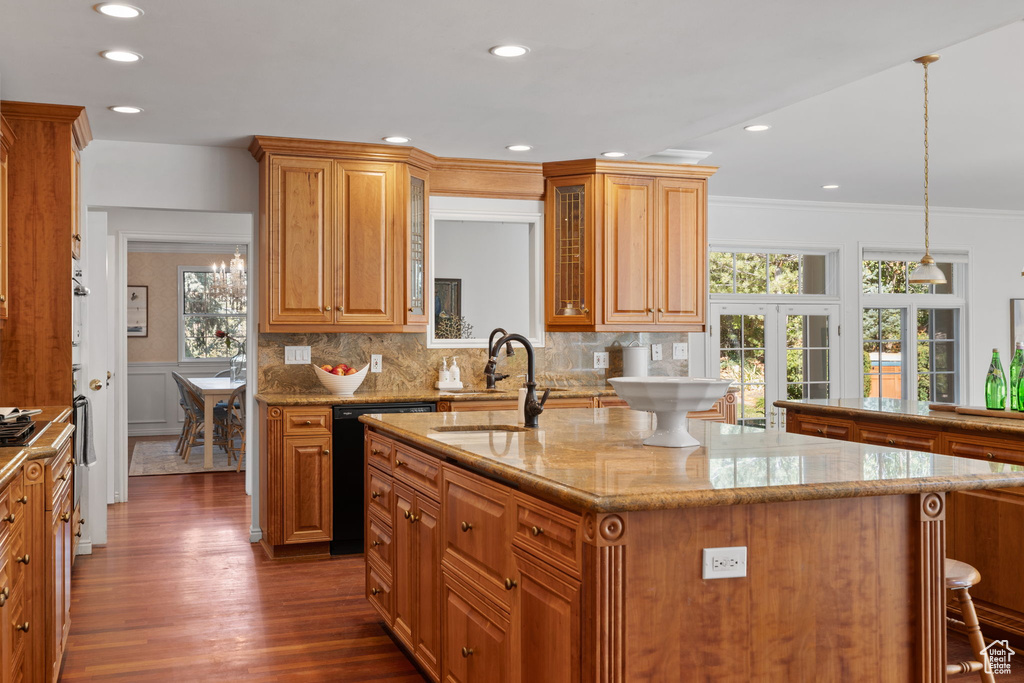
(999, 655)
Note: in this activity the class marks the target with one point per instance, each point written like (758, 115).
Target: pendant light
(926, 272)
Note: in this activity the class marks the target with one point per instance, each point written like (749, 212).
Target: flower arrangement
(221, 334)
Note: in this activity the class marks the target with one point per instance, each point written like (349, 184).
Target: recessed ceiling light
(126, 109)
(121, 55)
(519, 148)
(757, 127)
(397, 139)
(118, 10)
(830, 187)
(509, 50)
(613, 154)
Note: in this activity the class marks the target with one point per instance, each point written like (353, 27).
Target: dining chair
(181, 382)
(234, 425)
(197, 434)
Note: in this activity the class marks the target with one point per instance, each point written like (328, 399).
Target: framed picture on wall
(138, 311)
(448, 296)
(1016, 323)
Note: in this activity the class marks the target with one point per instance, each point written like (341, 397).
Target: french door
(773, 352)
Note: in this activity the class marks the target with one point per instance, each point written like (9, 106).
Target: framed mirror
(486, 270)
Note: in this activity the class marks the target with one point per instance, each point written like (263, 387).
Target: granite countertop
(423, 395)
(53, 438)
(910, 412)
(594, 460)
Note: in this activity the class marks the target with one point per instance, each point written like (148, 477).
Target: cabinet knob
(510, 584)
(327, 451)
(24, 559)
(81, 521)
(374, 544)
(375, 494)
(413, 519)
(650, 310)
(467, 651)
(62, 477)
(585, 310)
(399, 463)
(989, 456)
(4, 594)
(21, 627)
(77, 238)
(536, 530)
(3, 298)
(375, 591)
(661, 310)
(892, 442)
(821, 431)
(65, 516)
(9, 518)
(466, 526)
(309, 422)
(407, 513)
(23, 500)
(78, 533)
(411, 309)
(327, 308)
(376, 451)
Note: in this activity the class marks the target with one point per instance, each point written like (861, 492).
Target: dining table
(213, 389)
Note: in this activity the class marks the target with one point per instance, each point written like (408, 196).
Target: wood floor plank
(179, 594)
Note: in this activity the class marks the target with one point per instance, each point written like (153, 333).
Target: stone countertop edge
(426, 396)
(48, 445)
(974, 423)
(566, 496)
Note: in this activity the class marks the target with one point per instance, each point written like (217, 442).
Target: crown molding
(851, 207)
(586, 166)
(262, 145)
(57, 113)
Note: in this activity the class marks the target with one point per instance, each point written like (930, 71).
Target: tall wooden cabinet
(42, 224)
(625, 246)
(343, 236)
(6, 141)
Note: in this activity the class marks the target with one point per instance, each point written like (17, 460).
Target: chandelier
(926, 272)
(229, 281)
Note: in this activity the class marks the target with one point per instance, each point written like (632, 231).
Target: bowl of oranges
(341, 379)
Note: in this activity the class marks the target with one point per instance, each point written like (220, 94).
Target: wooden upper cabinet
(343, 236)
(632, 234)
(6, 140)
(629, 253)
(299, 245)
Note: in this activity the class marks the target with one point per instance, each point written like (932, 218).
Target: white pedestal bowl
(670, 399)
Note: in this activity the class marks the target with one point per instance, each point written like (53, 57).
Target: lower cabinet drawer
(378, 592)
(982, 449)
(548, 532)
(883, 435)
(379, 543)
(307, 420)
(419, 470)
(378, 492)
(829, 429)
(475, 637)
(379, 451)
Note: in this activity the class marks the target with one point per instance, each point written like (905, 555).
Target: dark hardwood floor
(179, 594)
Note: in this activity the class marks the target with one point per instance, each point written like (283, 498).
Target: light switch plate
(679, 351)
(655, 351)
(600, 360)
(296, 355)
(376, 363)
(725, 563)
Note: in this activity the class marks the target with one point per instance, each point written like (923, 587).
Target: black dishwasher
(348, 470)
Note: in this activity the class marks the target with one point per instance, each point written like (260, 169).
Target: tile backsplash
(566, 360)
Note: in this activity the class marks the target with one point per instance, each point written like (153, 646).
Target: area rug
(159, 457)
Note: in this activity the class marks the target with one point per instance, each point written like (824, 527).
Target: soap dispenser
(454, 371)
(444, 375)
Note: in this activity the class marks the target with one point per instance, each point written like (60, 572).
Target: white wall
(158, 176)
(493, 262)
(995, 240)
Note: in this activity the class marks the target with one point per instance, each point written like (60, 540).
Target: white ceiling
(636, 76)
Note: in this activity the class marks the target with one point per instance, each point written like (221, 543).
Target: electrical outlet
(655, 351)
(376, 364)
(295, 355)
(725, 563)
(600, 360)
(679, 351)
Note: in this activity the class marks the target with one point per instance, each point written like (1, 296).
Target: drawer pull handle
(327, 451)
(820, 430)
(410, 516)
(989, 456)
(413, 519)
(376, 451)
(466, 526)
(467, 651)
(24, 559)
(536, 530)
(375, 591)
(892, 442)
(9, 518)
(78, 533)
(309, 422)
(23, 500)
(65, 516)
(62, 477)
(374, 544)
(510, 584)
(399, 463)
(81, 521)
(22, 627)
(4, 594)
(327, 308)
(375, 494)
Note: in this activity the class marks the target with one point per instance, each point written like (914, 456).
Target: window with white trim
(772, 273)
(201, 314)
(912, 334)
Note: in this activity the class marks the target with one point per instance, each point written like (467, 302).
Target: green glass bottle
(995, 384)
(1015, 367)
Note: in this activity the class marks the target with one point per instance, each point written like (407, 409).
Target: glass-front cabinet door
(416, 250)
(569, 251)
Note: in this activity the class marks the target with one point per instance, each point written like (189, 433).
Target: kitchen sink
(480, 428)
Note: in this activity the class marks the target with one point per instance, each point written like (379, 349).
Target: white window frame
(910, 304)
(833, 285)
(181, 317)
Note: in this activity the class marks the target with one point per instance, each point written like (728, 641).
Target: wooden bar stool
(960, 576)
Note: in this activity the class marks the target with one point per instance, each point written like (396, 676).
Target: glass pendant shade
(927, 273)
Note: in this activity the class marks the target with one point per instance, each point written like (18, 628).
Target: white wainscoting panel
(153, 397)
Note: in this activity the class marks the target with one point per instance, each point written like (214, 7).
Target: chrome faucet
(533, 406)
(492, 362)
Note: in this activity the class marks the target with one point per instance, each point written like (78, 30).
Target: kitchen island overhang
(844, 568)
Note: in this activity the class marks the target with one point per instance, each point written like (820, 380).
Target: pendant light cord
(926, 245)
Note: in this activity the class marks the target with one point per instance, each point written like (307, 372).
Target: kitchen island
(574, 553)
(984, 528)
